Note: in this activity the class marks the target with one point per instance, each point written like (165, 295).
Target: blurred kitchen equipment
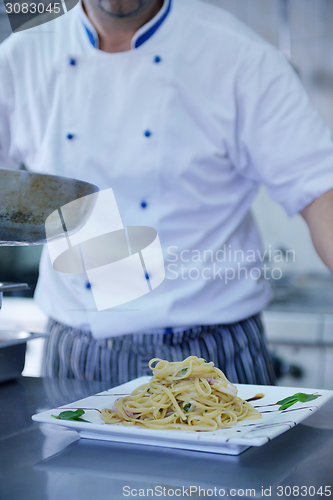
(11, 287)
(12, 344)
(28, 198)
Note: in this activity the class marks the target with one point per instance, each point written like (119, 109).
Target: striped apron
(238, 349)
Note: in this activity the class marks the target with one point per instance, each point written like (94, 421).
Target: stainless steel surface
(12, 353)
(40, 462)
(10, 338)
(12, 344)
(13, 341)
(298, 293)
(12, 359)
(27, 199)
(11, 287)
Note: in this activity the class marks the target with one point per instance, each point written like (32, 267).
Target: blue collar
(141, 36)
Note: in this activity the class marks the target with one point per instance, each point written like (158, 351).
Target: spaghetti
(188, 395)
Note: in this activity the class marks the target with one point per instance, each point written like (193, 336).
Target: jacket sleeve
(282, 141)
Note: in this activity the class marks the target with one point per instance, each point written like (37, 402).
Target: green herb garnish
(184, 369)
(298, 397)
(71, 415)
(187, 407)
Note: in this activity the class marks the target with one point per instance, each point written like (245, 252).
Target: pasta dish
(190, 395)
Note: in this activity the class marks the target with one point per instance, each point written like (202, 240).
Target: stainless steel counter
(303, 293)
(40, 462)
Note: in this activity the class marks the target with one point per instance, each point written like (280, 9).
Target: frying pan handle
(11, 287)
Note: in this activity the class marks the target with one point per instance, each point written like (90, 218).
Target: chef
(182, 111)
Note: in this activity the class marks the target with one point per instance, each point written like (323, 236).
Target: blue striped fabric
(239, 350)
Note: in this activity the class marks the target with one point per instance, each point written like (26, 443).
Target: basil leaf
(65, 415)
(286, 405)
(71, 415)
(298, 397)
(304, 398)
(287, 400)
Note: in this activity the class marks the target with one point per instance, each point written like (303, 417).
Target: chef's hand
(319, 217)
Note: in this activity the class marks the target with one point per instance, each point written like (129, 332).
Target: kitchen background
(299, 322)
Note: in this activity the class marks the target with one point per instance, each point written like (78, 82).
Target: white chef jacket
(183, 127)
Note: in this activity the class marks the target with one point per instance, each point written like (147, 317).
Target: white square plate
(231, 441)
